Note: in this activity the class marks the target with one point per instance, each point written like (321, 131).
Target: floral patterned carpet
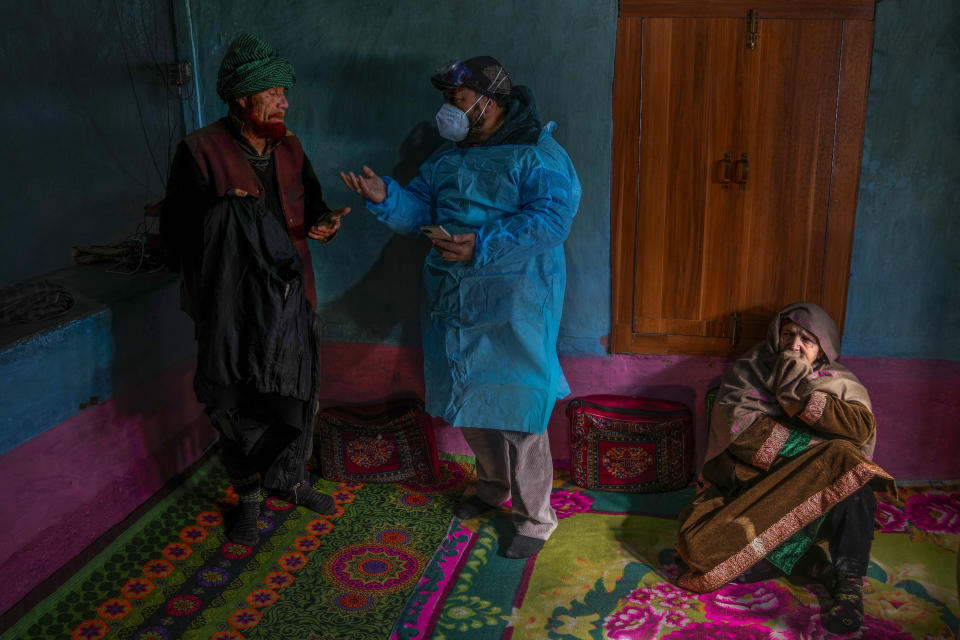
(173, 574)
(605, 574)
(392, 564)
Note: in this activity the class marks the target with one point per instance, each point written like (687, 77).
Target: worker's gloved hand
(459, 249)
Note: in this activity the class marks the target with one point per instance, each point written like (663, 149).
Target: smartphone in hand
(436, 232)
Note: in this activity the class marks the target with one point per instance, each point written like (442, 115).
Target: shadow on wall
(154, 357)
(419, 145)
(388, 295)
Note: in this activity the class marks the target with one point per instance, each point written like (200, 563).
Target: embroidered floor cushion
(630, 444)
(382, 442)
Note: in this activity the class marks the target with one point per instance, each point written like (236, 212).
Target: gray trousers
(518, 466)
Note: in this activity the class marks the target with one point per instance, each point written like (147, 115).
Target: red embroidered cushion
(629, 444)
(382, 442)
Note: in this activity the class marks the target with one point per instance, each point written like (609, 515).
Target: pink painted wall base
(915, 401)
(72, 483)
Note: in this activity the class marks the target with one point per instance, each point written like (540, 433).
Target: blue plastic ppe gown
(490, 326)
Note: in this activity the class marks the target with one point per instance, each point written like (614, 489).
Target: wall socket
(178, 75)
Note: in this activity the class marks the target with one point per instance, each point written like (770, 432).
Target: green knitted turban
(251, 66)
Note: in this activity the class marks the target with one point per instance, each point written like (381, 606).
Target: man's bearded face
(264, 112)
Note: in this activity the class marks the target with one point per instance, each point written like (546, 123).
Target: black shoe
(309, 498)
(523, 547)
(846, 614)
(471, 508)
(244, 529)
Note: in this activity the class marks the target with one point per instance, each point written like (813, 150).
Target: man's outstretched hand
(370, 185)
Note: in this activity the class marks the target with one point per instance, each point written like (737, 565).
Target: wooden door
(700, 266)
(692, 74)
(790, 88)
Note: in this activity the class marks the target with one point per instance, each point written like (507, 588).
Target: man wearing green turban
(247, 166)
(251, 66)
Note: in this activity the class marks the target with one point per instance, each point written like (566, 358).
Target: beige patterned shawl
(751, 388)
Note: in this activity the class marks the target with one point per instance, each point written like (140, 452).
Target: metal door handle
(742, 167)
(724, 171)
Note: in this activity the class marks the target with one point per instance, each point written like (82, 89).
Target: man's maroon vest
(225, 167)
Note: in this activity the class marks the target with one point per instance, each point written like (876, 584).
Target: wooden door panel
(727, 221)
(623, 188)
(790, 88)
(845, 183)
(685, 129)
(686, 253)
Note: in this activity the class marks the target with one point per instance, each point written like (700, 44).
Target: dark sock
(243, 529)
(309, 498)
(846, 614)
(471, 508)
(523, 547)
(817, 566)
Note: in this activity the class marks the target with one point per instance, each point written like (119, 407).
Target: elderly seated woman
(788, 463)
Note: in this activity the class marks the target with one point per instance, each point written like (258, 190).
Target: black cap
(483, 74)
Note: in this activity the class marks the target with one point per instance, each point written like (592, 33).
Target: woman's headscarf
(749, 389)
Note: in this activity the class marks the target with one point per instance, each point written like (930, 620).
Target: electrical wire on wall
(174, 87)
(146, 42)
(139, 252)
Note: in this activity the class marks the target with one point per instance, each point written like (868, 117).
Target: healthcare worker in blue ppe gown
(493, 293)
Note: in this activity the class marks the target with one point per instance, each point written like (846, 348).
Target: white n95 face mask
(452, 123)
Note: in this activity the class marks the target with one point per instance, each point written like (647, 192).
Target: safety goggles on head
(454, 73)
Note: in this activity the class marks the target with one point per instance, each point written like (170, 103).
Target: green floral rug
(173, 574)
(606, 573)
(392, 564)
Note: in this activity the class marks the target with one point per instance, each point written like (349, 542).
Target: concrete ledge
(122, 330)
(98, 413)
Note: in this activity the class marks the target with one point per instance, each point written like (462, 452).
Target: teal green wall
(88, 125)
(364, 96)
(904, 298)
(91, 125)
